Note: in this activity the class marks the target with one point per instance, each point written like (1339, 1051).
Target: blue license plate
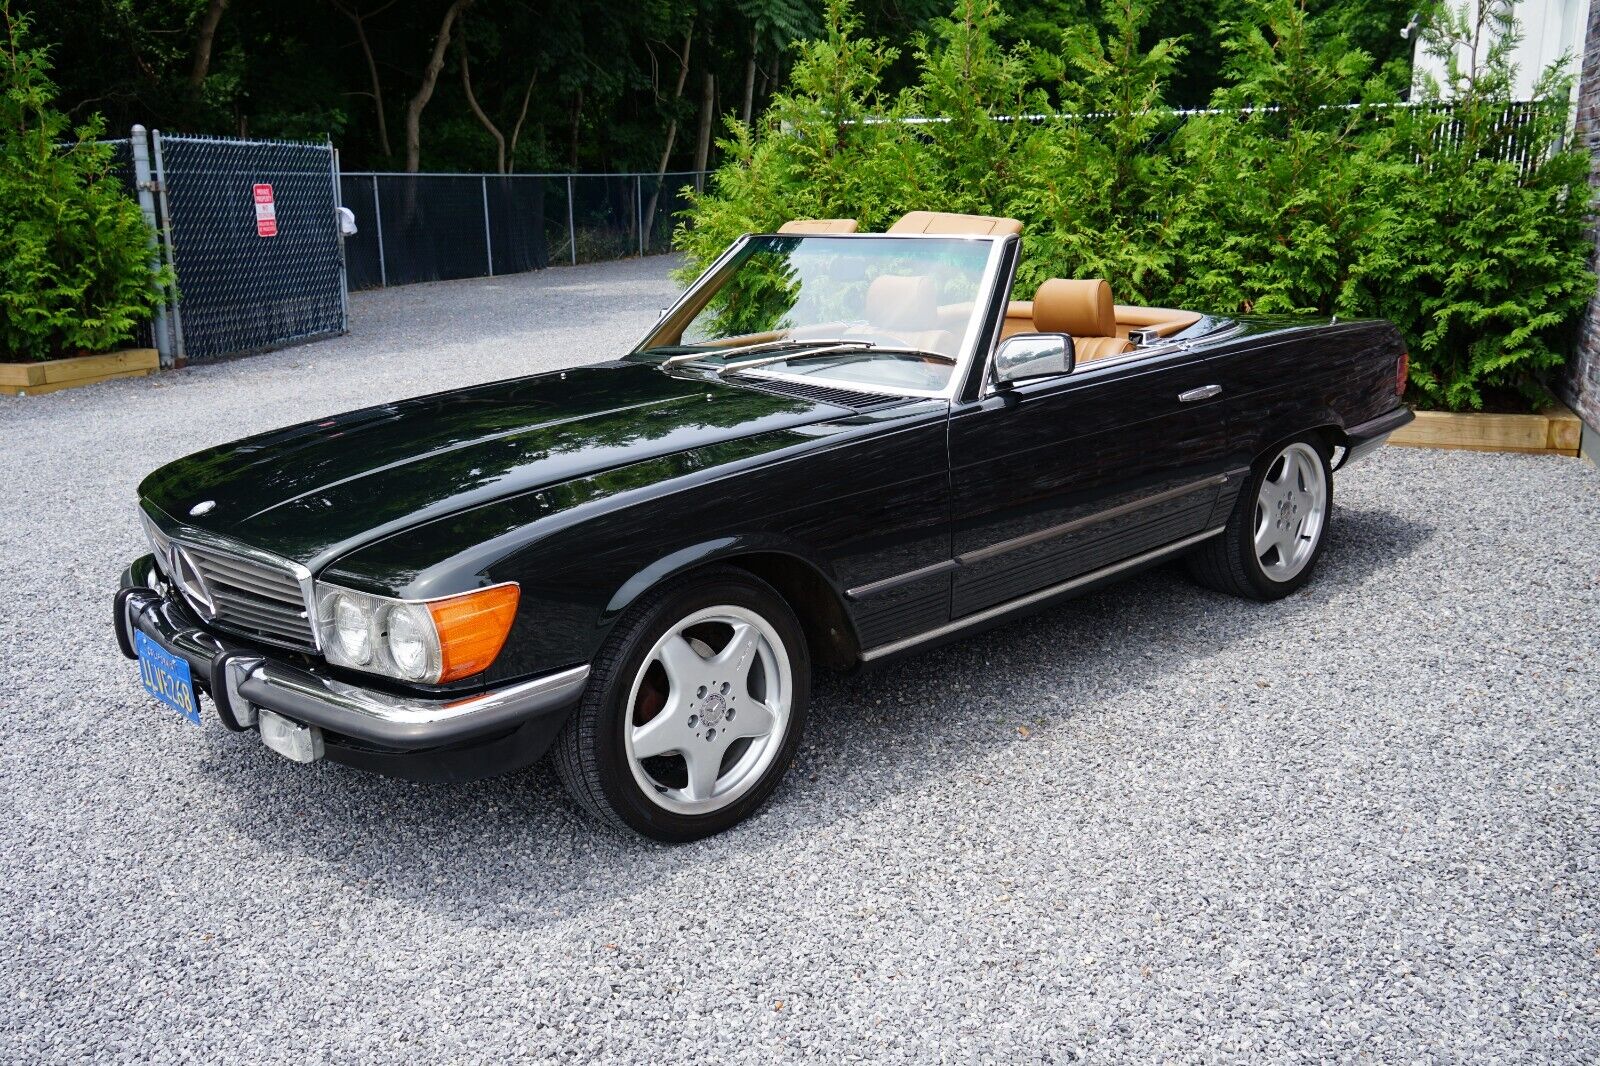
(166, 677)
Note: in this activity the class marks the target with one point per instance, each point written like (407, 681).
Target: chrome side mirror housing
(1026, 356)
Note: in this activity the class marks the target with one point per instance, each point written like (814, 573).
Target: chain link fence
(252, 231)
(435, 227)
(1506, 138)
(253, 234)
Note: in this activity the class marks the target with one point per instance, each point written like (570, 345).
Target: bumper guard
(242, 681)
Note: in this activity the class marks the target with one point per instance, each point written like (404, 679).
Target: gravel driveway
(1155, 823)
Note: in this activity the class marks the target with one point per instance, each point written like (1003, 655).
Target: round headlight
(351, 630)
(409, 643)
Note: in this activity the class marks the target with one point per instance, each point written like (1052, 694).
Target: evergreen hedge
(1307, 187)
(74, 248)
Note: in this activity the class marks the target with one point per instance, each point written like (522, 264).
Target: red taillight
(1402, 370)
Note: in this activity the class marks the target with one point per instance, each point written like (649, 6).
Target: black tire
(590, 754)
(1229, 563)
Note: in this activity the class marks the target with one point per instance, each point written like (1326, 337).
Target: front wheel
(1278, 526)
(694, 709)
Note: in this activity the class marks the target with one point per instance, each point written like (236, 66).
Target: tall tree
(477, 110)
(774, 27)
(672, 132)
(522, 116)
(708, 104)
(430, 78)
(204, 41)
(359, 18)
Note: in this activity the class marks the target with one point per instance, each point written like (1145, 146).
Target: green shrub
(1099, 178)
(816, 155)
(74, 248)
(1482, 255)
(1276, 184)
(971, 159)
(1306, 190)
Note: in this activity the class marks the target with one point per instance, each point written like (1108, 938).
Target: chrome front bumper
(243, 681)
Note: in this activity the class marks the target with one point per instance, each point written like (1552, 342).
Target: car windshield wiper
(866, 349)
(812, 348)
(744, 349)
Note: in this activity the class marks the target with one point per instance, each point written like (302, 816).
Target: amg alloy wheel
(710, 708)
(1278, 526)
(1291, 505)
(693, 711)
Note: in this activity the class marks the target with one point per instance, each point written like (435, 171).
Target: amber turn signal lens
(472, 628)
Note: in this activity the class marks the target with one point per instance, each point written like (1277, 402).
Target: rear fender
(1284, 427)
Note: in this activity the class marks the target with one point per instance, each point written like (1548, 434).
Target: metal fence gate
(252, 232)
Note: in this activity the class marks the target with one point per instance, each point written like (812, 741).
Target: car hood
(313, 491)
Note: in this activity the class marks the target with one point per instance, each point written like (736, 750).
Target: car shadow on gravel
(511, 852)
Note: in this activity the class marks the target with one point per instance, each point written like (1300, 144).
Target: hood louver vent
(856, 401)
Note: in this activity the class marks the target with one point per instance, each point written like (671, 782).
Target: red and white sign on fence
(266, 212)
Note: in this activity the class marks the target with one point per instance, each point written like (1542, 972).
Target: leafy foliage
(1307, 189)
(74, 258)
(832, 146)
(977, 91)
(601, 72)
(1481, 256)
(1275, 187)
(1097, 188)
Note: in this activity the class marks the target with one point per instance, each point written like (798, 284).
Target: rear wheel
(694, 709)
(1278, 526)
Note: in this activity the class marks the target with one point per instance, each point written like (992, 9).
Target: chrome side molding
(1028, 539)
(1020, 602)
(989, 551)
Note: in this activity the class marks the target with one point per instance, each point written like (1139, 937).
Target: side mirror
(1026, 356)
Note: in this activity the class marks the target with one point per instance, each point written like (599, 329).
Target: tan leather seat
(1019, 318)
(905, 309)
(1084, 310)
(819, 225)
(946, 222)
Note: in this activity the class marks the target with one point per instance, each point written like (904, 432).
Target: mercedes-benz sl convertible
(833, 449)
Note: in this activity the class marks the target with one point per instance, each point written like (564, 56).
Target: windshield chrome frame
(981, 304)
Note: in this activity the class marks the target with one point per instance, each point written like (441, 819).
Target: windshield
(878, 312)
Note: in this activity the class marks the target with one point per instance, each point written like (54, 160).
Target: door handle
(1204, 392)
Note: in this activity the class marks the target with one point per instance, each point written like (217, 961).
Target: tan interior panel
(946, 222)
(819, 225)
(1164, 320)
(1083, 309)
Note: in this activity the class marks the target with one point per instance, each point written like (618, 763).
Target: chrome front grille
(234, 586)
(248, 595)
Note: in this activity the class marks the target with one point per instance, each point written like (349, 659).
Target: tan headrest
(819, 225)
(1078, 308)
(945, 222)
(896, 301)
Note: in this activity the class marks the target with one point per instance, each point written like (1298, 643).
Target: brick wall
(1581, 388)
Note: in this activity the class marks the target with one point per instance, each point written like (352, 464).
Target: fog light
(296, 742)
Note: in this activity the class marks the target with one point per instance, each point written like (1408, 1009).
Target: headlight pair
(428, 641)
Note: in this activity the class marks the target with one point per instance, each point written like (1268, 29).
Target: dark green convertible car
(833, 449)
